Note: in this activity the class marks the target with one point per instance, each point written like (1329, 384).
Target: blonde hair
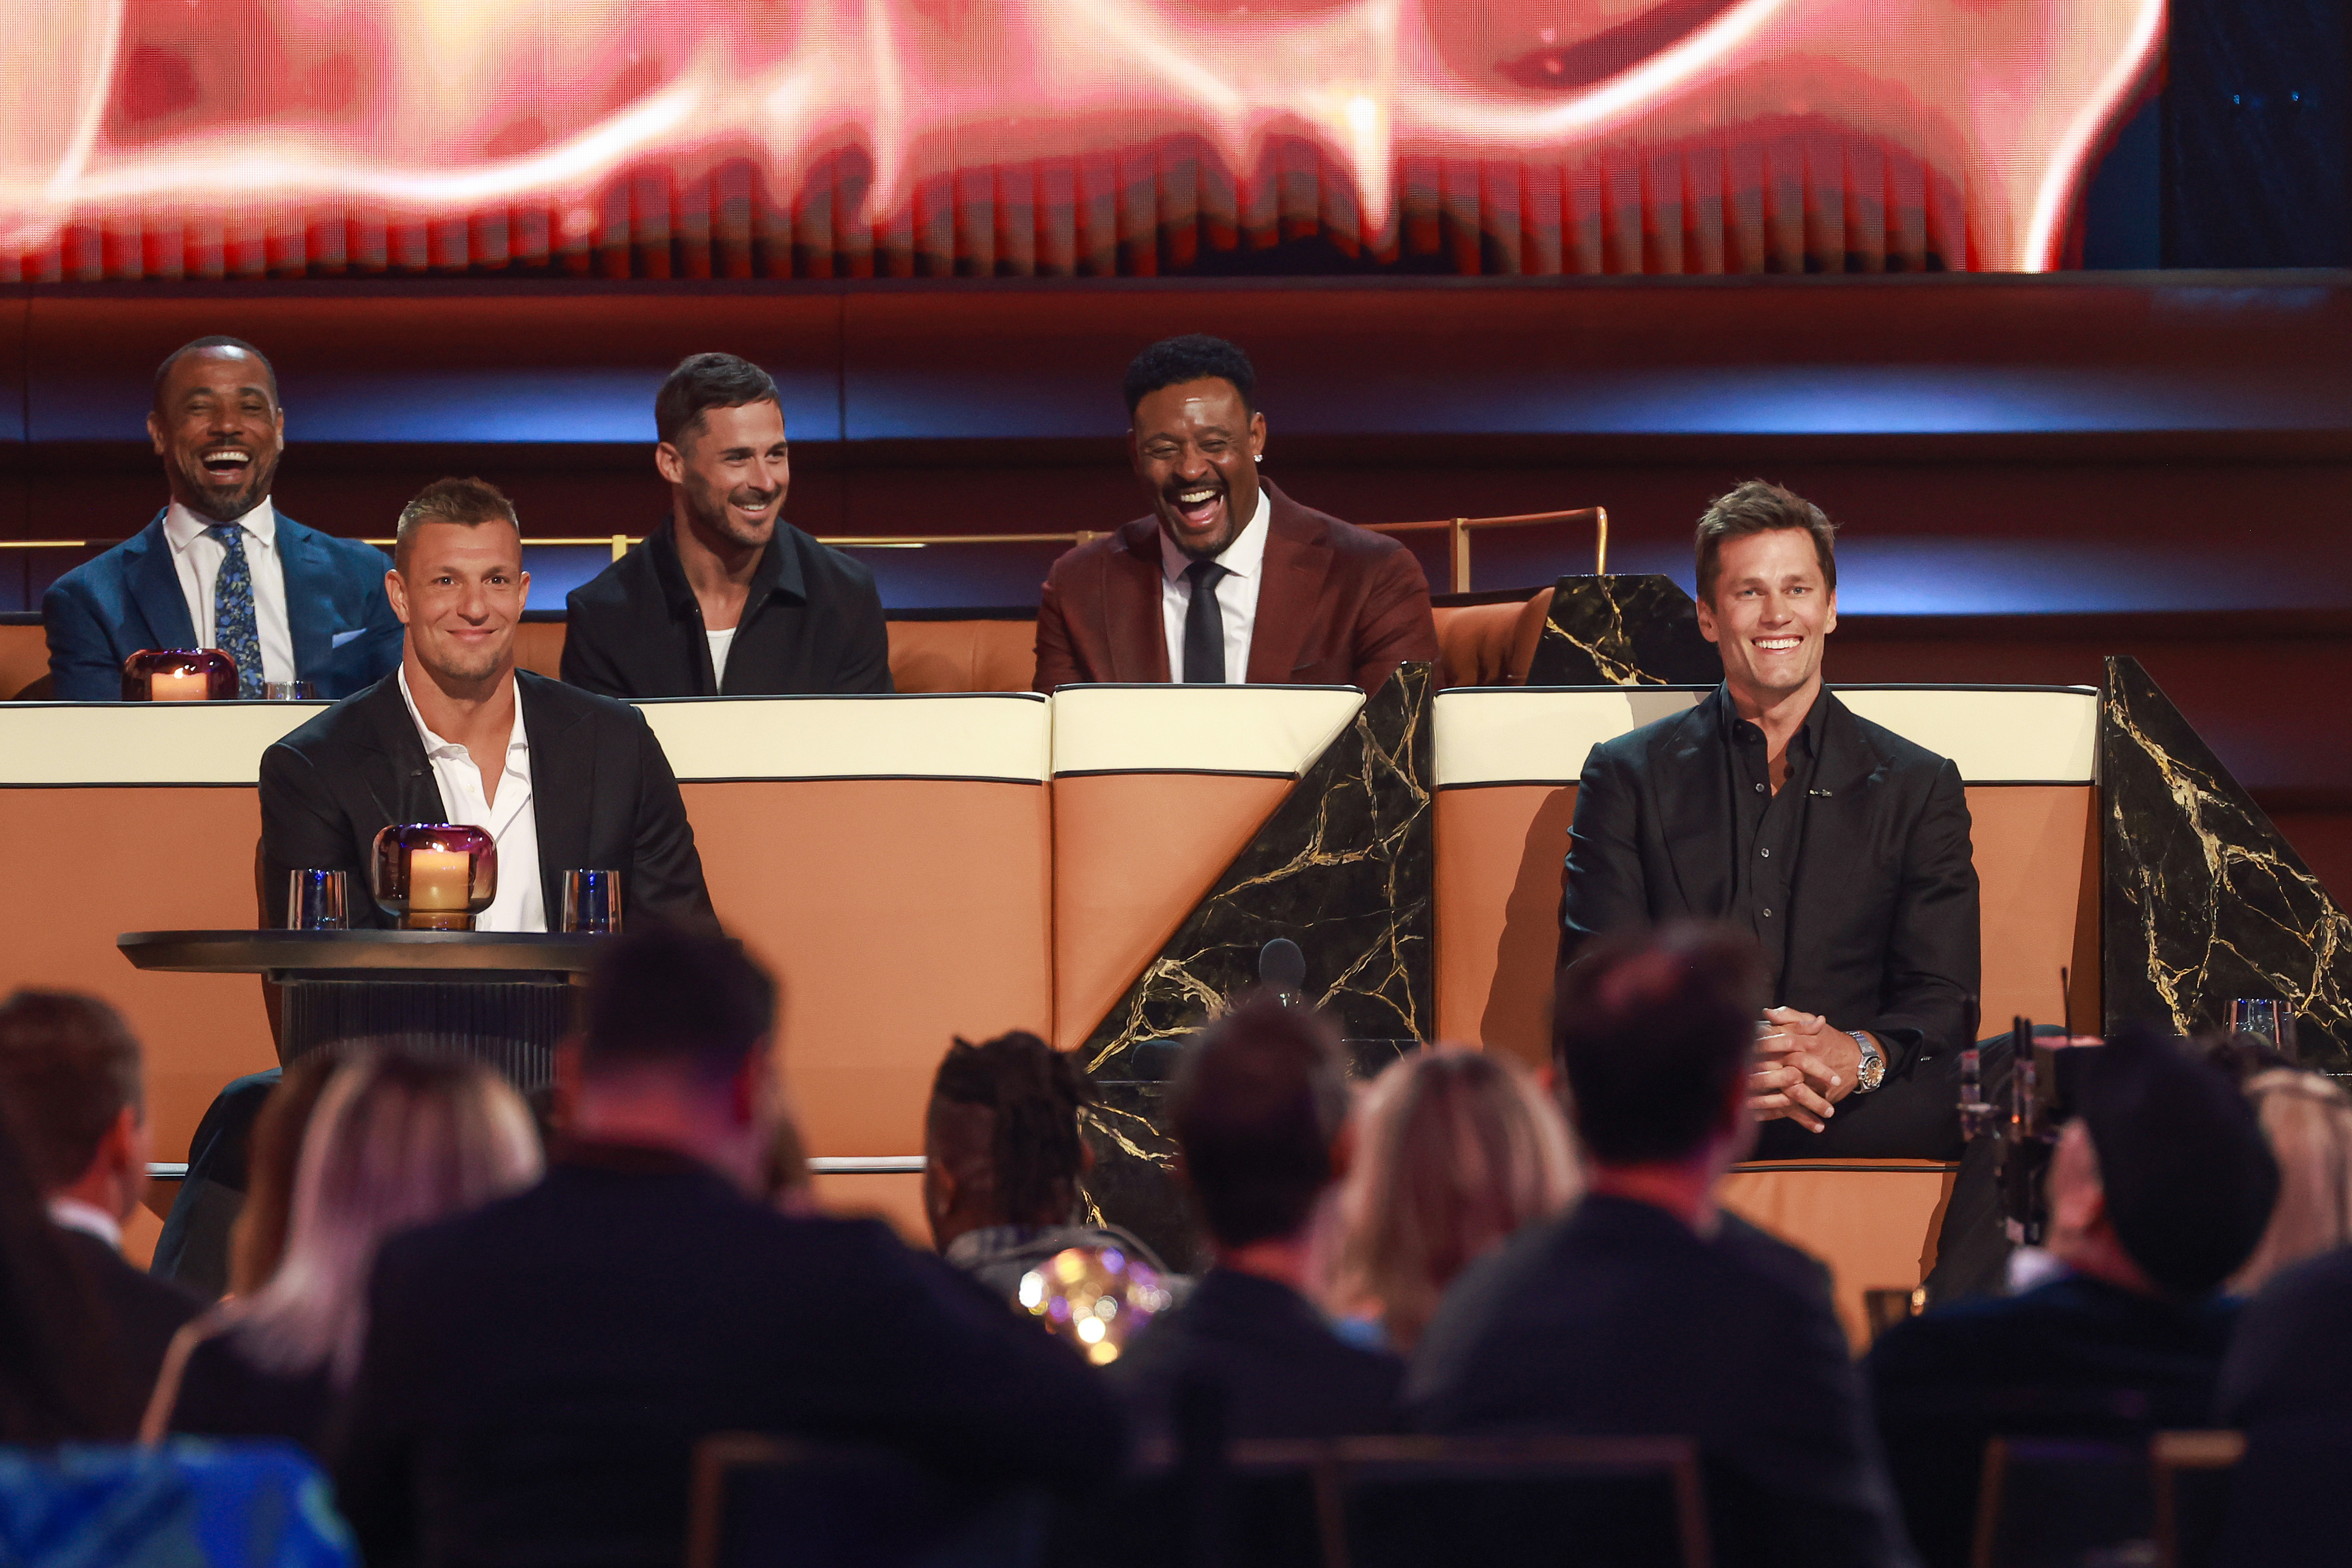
(1455, 1149)
(396, 1141)
(2308, 1120)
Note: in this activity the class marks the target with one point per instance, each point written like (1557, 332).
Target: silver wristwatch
(1874, 1063)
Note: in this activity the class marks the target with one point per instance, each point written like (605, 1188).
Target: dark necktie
(235, 631)
(1205, 628)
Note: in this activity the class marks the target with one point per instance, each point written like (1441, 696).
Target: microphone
(1282, 969)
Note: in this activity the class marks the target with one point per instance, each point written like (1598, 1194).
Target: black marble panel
(2203, 899)
(1622, 630)
(1343, 869)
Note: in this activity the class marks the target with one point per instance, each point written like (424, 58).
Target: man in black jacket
(71, 1088)
(2159, 1191)
(726, 598)
(562, 780)
(1842, 846)
(1258, 1107)
(1647, 1310)
(535, 1374)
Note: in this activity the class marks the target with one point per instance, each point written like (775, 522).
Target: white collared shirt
(73, 1214)
(1244, 558)
(512, 820)
(196, 556)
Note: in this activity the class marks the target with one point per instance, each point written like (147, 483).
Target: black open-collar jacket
(602, 792)
(812, 623)
(1882, 925)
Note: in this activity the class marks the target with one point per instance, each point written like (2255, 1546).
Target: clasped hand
(1803, 1068)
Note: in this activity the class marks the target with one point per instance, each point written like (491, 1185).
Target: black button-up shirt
(1767, 831)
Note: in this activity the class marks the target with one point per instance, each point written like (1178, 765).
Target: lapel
(1132, 628)
(1298, 558)
(309, 593)
(154, 583)
(1692, 783)
(399, 778)
(563, 780)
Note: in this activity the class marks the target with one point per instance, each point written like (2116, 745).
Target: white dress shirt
(196, 556)
(1244, 558)
(512, 820)
(73, 1214)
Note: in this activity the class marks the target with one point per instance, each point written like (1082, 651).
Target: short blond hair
(1455, 1149)
(2307, 1119)
(467, 502)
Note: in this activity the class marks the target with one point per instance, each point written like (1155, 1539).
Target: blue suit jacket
(104, 610)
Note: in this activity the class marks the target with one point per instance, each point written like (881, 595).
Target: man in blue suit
(220, 568)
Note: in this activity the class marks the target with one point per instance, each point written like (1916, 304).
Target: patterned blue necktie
(235, 631)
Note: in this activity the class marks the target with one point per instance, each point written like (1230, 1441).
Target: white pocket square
(339, 638)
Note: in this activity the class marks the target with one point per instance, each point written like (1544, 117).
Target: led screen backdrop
(893, 138)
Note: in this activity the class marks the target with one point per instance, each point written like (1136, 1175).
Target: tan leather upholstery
(539, 648)
(1873, 1222)
(963, 655)
(24, 659)
(1489, 644)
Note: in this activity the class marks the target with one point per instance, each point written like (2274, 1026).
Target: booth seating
(1507, 763)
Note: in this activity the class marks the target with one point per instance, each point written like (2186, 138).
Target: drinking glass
(315, 901)
(289, 691)
(592, 900)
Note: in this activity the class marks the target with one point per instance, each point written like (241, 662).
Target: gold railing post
(620, 546)
(1459, 534)
(1600, 542)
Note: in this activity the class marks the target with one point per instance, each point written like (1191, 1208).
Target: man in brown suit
(1228, 580)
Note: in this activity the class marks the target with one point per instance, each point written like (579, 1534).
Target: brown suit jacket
(1339, 606)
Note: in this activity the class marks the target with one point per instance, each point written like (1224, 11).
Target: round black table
(502, 998)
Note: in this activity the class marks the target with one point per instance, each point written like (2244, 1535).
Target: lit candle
(440, 880)
(179, 686)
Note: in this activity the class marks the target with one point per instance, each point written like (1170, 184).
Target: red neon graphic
(131, 112)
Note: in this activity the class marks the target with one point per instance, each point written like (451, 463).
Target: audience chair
(2057, 1502)
(767, 1502)
(1430, 1502)
(2191, 1472)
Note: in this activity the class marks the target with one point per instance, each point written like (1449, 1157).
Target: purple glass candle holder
(434, 876)
(179, 675)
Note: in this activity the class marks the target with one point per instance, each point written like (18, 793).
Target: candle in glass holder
(440, 882)
(179, 685)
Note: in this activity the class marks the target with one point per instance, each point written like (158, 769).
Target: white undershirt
(1236, 595)
(719, 642)
(512, 820)
(196, 556)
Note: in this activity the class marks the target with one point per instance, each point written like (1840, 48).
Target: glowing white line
(93, 109)
(2064, 167)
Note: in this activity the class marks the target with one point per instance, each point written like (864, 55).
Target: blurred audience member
(69, 1078)
(2159, 1191)
(536, 1372)
(61, 1378)
(790, 1184)
(193, 1251)
(2287, 1384)
(1002, 1159)
(395, 1141)
(1646, 1308)
(1257, 1110)
(256, 1243)
(1454, 1150)
(2309, 1120)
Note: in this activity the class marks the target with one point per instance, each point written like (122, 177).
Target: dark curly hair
(1195, 356)
(1036, 1093)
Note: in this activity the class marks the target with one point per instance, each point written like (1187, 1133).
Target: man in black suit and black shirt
(70, 1084)
(562, 780)
(1647, 1310)
(1256, 1108)
(1843, 847)
(725, 598)
(536, 1372)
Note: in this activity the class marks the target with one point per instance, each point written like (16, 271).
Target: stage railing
(1459, 531)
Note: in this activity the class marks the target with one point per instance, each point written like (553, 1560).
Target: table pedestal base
(513, 1025)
